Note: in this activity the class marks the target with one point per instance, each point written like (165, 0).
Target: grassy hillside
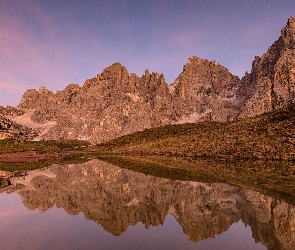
(268, 136)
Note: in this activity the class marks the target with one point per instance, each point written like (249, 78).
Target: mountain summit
(271, 83)
(116, 103)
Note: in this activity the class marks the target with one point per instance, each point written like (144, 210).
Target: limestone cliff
(11, 129)
(115, 103)
(204, 90)
(271, 83)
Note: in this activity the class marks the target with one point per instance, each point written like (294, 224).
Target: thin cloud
(7, 86)
(25, 60)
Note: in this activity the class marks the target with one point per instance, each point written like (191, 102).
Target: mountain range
(116, 103)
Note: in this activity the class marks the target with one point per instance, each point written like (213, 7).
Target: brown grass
(268, 136)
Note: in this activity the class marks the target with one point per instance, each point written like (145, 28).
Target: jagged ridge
(117, 103)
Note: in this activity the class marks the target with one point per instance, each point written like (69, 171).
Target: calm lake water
(96, 205)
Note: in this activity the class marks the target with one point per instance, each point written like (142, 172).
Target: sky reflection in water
(55, 229)
(120, 202)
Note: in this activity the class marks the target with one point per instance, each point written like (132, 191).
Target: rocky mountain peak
(288, 33)
(270, 85)
(115, 73)
(32, 98)
(116, 103)
(202, 91)
(42, 89)
(194, 60)
(291, 22)
(194, 63)
(154, 77)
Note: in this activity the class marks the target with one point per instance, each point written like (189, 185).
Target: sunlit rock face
(271, 83)
(205, 90)
(11, 129)
(118, 198)
(116, 103)
(109, 105)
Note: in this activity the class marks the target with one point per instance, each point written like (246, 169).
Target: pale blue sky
(55, 43)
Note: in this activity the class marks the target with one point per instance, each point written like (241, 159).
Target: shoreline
(26, 156)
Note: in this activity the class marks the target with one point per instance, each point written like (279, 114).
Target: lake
(97, 205)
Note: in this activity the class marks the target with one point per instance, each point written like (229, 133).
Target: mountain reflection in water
(117, 198)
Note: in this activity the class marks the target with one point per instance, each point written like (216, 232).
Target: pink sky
(52, 44)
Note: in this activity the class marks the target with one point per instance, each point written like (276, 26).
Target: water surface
(97, 205)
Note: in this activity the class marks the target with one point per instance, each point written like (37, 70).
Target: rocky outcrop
(13, 130)
(204, 90)
(271, 83)
(116, 103)
(116, 198)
